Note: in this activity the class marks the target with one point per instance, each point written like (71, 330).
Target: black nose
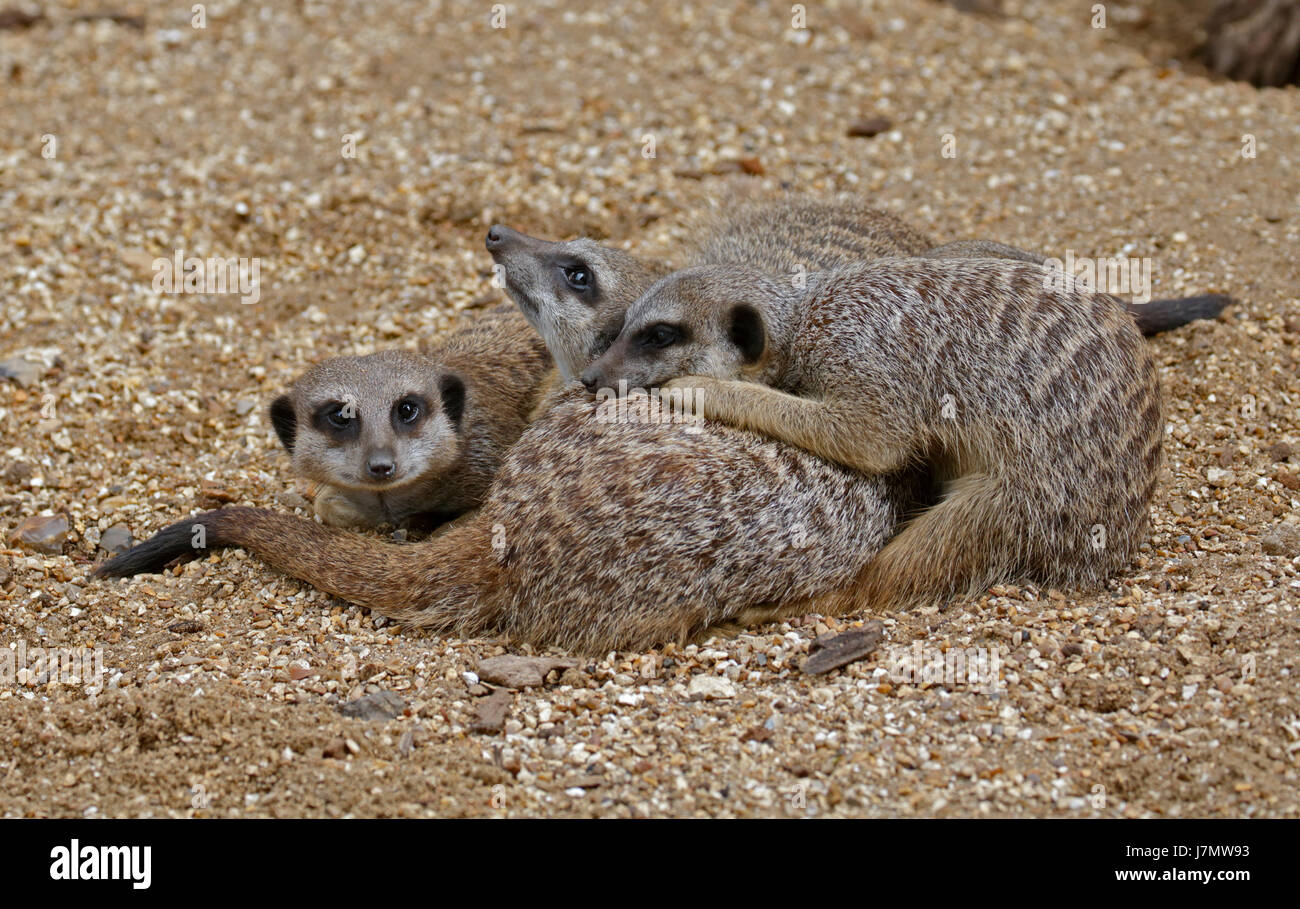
(591, 380)
(497, 236)
(380, 468)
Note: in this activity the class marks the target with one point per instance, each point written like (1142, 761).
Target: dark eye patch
(337, 419)
(577, 276)
(659, 336)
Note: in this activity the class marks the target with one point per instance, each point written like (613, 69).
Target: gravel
(1169, 693)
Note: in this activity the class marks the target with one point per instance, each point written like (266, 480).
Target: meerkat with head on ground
(396, 435)
(1036, 405)
(596, 536)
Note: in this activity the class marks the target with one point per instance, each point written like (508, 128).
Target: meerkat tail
(1162, 315)
(442, 588)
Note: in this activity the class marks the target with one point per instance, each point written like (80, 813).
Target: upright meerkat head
(725, 321)
(372, 423)
(573, 292)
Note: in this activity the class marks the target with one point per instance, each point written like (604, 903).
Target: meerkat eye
(341, 415)
(407, 411)
(577, 277)
(337, 419)
(660, 336)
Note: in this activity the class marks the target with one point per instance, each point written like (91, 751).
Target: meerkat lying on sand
(1038, 406)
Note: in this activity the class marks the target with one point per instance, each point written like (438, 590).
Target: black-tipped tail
(1162, 315)
(193, 536)
(444, 582)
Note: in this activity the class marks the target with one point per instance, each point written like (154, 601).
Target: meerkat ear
(284, 421)
(452, 389)
(746, 332)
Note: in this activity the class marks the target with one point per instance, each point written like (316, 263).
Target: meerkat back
(803, 234)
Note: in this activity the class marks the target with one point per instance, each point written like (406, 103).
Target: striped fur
(596, 536)
(1038, 405)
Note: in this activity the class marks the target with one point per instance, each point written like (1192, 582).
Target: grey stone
(382, 705)
(116, 539)
(519, 671)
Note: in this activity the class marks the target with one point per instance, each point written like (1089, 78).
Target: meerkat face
(702, 321)
(373, 423)
(574, 293)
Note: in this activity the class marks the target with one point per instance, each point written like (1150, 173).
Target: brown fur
(1036, 403)
(596, 536)
(476, 390)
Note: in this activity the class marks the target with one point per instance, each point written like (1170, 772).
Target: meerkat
(582, 543)
(397, 435)
(576, 292)
(1035, 404)
(596, 536)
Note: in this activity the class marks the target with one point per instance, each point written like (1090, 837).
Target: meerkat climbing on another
(1036, 405)
(397, 435)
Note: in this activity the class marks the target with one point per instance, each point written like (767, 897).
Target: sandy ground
(1171, 693)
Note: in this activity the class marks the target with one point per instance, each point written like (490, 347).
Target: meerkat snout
(380, 465)
(500, 237)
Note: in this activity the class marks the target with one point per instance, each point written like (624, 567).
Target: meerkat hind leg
(802, 422)
(954, 549)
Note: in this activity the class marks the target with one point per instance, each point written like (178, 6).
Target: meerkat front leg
(802, 422)
(337, 509)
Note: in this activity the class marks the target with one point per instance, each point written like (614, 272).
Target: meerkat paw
(337, 510)
(687, 394)
(745, 405)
